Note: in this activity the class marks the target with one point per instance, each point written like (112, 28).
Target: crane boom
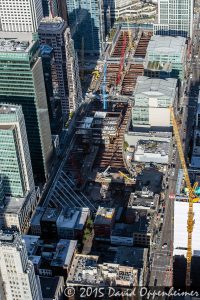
(125, 176)
(121, 60)
(192, 198)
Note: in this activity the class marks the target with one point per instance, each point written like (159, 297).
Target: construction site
(101, 169)
(95, 171)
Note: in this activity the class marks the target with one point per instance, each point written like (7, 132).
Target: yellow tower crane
(130, 43)
(96, 74)
(192, 198)
(125, 176)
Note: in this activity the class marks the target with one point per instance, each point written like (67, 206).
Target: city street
(162, 259)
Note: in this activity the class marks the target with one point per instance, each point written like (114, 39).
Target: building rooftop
(155, 87)
(180, 229)
(13, 204)
(104, 215)
(64, 253)
(51, 214)
(143, 200)
(6, 127)
(49, 286)
(16, 42)
(52, 24)
(12, 239)
(156, 147)
(9, 109)
(51, 254)
(141, 224)
(86, 270)
(167, 45)
(106, 122)
(195, 161)
(6, 237)
(152, 151)
(150, 178)
(37, 215)
(73, 218)
(132, 256)
(31, 243)
(35, 259)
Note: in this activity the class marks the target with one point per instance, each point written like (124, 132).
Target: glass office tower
(22, 82)
(86, 21)
(175, 17)
(15, 163)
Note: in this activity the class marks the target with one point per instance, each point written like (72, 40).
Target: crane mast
(192, 198)
(123, 50)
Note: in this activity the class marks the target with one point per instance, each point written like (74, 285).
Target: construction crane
(191, 195)
(105, 173)
(121, 60)
(96, 74)
(125, 176)
(105, 103)
(130, 46)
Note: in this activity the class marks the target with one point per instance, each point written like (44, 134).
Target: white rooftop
(155, 87)
(180, 228)
(16, 42)
(31, 242)
(52, 24)
(100, 114)
(64, 252)
(73, 218)
(167, 45)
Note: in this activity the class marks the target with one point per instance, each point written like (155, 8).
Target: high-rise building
(66, 83)
(2, 194)
(175, 17)
(74, 84)
(166, 57)
(153, 96)
(17, 277)
(21, 16)
(22, 82)
(86, 21)
(17, 188)
(53, 100)
(50, 8)
(15, 163)
(55, 8)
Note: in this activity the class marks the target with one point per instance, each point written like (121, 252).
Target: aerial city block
(99, 149)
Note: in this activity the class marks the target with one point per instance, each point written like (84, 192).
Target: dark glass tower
(22, 82)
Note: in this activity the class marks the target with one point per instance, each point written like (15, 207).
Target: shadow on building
(171, 32)
(109, 15)
(179, 273)
(84, 32)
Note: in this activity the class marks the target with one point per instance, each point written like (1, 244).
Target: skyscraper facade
(21, 16)
(15, 162)
(175, 17)
(17, 189)
(66, 84)
(53, 100)
(50, 7)
(22, 82)
(74, 84)
(86, 21)
(17, 277)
